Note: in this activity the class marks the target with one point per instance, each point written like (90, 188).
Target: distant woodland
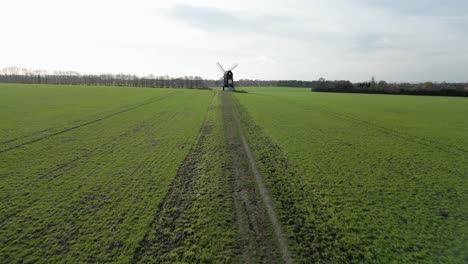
(22, 75)
(382, 87)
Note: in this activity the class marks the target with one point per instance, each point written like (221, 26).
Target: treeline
(382, 87)
(263, 83)
(243, 82)
(295, 83)
(22, 75)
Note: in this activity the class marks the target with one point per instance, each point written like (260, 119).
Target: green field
(83, 169)
(139, 175)
(392, 171)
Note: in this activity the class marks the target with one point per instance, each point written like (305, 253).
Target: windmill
(228, 77)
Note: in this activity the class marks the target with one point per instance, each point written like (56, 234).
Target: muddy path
(260, 233)
(217, 209)
(164, 236)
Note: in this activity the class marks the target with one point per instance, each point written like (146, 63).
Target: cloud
(279, 27)
(371, 41)
(292, 39)
(218, 20)
(422, 7)
(354, 41)
(205, 18)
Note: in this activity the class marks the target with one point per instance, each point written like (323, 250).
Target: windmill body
(228, 81)
(228, 77)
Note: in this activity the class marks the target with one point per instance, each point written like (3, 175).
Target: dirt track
(257, 221)
(164, 236)
(255, 232)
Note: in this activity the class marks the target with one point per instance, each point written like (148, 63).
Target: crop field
(92, 174)
(83, 169)
(390, 170)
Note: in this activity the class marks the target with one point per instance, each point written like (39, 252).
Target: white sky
(413, 40)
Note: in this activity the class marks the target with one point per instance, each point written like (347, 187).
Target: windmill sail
(220, 68)
(220, 79)
(233, 67)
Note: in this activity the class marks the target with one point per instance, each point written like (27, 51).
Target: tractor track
(91, 151)
(81, 125)
(115, 139)
(258, 236)
(24, 136)
(255, 213)
(425, 142)
(129, 187)
(161, 238)
(88, 154)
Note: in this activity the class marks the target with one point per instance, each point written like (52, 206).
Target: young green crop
(195, 221)
(83, 169)
(370, 177)
(126, 175)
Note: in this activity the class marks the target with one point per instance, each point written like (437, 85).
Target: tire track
(449, 149)
(270, 221)
(162, 238)
(24, 136)
(258, 236)
(84, 124)
(91, 151)
(133, 130)
(66, 165)
(81, 206)
(453, 150)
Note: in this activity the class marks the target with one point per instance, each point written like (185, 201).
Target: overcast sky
(395, 40)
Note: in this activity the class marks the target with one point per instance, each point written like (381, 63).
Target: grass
(29, 108)
(364, 177)
(195, 224)
(87, 187)
(138, 175)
